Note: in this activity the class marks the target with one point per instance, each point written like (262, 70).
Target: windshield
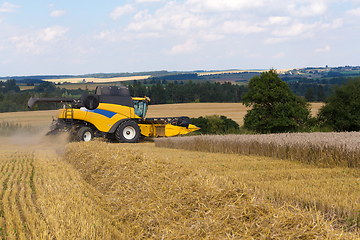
(140, 108)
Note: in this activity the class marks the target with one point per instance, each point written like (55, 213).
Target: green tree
(139, 89)
(310, 94)
(216, 124)
(342, 108)
(274, 107)
(45, 87)
(157, 94)
(321, 93)
(11, 85)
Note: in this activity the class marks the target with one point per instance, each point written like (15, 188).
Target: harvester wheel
(85, 134)
(128, 132)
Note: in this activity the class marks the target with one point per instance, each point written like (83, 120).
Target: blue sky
(79, 37)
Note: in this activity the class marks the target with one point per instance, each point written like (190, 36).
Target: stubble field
(53, 189)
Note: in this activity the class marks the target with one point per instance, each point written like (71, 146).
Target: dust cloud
(26, 137)
(35, 139)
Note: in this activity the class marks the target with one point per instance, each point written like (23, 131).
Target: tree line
(189, 92)
(12, 99)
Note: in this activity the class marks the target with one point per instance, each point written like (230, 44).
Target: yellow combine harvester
(112, 113)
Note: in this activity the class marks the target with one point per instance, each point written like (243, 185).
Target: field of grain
(32, 118)
(98, 190)
(97, 80)
(321, 170)
(238, 71)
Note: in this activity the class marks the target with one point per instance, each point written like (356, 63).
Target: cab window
(140, 108)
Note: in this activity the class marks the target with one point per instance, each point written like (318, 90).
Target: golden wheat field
(53, 189)
(98, 190)
(239, 71)
(97, 80)
(320, 170)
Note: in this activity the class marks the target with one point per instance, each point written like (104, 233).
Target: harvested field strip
(158, 195)
(43, 197)
(321, 149)
(16, 219)
(71, 208)
(334, 191)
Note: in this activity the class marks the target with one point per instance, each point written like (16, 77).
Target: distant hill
(233, 75)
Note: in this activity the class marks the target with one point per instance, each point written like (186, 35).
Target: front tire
(128, 132)
(85, 134)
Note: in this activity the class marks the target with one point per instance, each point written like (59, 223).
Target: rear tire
(128, 132)
(85, 134)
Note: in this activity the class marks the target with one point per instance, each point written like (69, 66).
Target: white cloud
(40, 41)
(275, 40)
(224, 5)
(335, 24)
(7, 7)
(104, 34)
(147, 1)
(325, 49)
(57, 13)
(353, 12)
(111, 36)
(212, 36)
(277, 21)
(81, 50)
(316, 8)
(279, 55)
(294, 30)
(52, 33)
(240, 27)
(144, 21)
(27, 44)
(172, 18)
(189, 46)
(121, 10)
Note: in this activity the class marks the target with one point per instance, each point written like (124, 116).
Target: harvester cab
(112, 113)
(140, 106)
